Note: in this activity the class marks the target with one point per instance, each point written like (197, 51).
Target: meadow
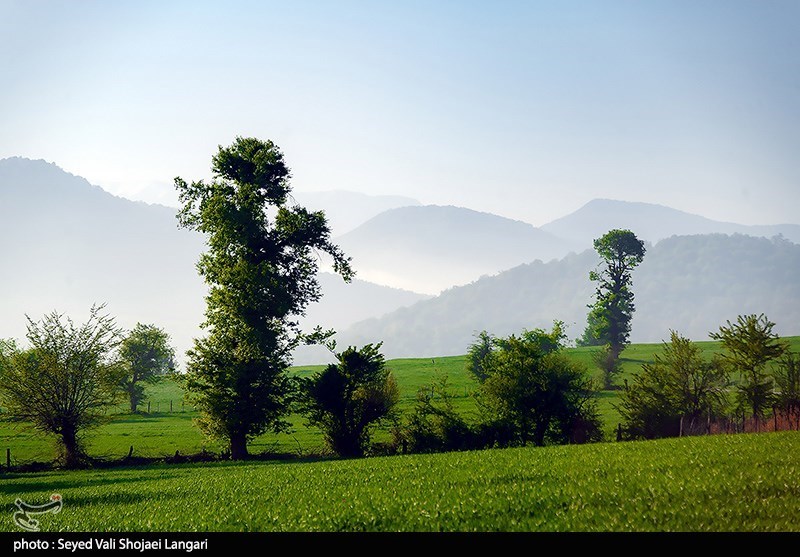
(161, 432)
(745, 482)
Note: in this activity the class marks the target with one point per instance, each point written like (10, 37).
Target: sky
(524, 109)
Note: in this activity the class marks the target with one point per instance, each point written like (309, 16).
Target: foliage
(349, 397)
(261, 267)
(147, 356)
(609, 363)
(435, 425)
(65, 380)
(595, 325)
(477, 354)
(751, 345)
(537, 392)
(787, 380)
(679, 383)
(609, 321)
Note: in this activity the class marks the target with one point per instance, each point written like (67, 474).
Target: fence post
(170, 406)
(774, 418)
(8, 458)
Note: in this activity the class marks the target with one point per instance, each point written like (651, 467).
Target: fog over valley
(428, 277)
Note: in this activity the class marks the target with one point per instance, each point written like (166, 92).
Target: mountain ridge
(652, 222)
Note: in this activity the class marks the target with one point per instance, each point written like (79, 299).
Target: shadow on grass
(49, 483)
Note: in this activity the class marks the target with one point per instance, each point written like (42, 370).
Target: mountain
(346, 210)
(650, 222)
(429, 248)
(688, 283)
(67, 244)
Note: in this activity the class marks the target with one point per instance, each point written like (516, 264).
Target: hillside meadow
(746, 482)
(161, 433)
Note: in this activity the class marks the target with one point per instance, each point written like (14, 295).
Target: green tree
(477, 354)
(609, 321)
(787, 379)
(349, 397)
(261, 267)
(65, 380)
(537, 392)
(751, 345)
(679, 383)
(148, 356)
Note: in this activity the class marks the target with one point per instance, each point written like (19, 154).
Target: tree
(261, 268)
(751, 345)
(348, 397)
(609, 321)
(477, 354)
(787, 379)
(147, 356)
(679, 383)
(65, 380)
(536, 391)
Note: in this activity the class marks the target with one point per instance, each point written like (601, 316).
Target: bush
(348, 398)
(534, 393)
(435, 426)
(677, 384)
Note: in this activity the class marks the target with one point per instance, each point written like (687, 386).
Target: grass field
(162, 433)
(747, 482)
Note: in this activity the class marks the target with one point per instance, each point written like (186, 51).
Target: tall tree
(751, 345)
(349, 397)
(261, 267)
(65, 380)
(609, 321)
(147, 355)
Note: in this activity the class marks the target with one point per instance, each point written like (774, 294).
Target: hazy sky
(526, 109)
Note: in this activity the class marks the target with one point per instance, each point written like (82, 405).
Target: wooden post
(774, 419)
(8, 458)
(170, 406)
(181, 406)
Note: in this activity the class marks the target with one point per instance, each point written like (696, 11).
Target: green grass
(162, 433)
(716, 483)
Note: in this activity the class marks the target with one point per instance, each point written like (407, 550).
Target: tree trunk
(134, 398)
(539, 433)
(348, 445)
(239, 446)
(72, 452)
